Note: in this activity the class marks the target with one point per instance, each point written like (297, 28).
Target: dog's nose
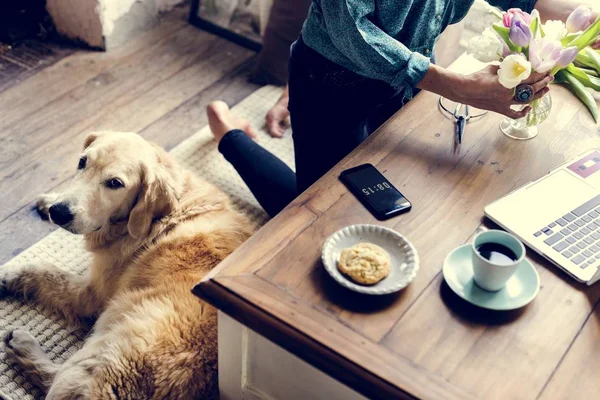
(60, 214)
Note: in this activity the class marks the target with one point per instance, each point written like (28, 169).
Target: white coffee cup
(492, 276)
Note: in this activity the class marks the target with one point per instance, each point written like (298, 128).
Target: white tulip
(513, 70)
(486, 48)
(555, 30)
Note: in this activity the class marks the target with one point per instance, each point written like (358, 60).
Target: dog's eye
(82, 162)
(114, 183)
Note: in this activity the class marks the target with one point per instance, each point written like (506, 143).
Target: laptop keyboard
(576, 235)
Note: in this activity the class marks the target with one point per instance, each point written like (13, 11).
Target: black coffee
(497, 253)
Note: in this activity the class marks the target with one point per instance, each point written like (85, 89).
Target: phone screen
(375, 191)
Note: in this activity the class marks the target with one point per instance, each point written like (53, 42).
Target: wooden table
(424, 342)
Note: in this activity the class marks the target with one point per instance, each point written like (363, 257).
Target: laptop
(558, 216)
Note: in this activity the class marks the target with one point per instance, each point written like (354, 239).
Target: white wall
(77, 19)
(106, 23)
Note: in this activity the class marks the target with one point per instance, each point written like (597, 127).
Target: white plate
(405, 261)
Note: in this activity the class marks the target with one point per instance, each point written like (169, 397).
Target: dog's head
(120, 178)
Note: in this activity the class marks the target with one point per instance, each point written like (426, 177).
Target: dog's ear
(157, 197)
(90, 139)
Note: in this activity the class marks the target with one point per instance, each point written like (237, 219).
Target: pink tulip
(520, 32)
(567, 56)
(580, 19)
(511, 13)
(545, 53)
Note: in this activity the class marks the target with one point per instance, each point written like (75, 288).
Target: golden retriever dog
(154, 231)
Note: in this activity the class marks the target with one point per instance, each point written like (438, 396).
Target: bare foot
(221, 121)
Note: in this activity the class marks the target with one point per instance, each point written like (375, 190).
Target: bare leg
(25, 351)
(66, 294)
(221, 121)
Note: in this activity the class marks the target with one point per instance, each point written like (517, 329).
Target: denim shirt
(388, 40)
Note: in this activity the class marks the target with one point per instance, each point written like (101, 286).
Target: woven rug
(200, 155)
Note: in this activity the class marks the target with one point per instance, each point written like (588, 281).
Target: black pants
(332, 111)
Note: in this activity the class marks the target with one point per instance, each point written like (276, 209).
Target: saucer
(519, 291)
(404, 265)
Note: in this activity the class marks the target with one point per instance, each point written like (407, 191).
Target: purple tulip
(580, 19)
(567, 56)
(544, 54)
(520, 32)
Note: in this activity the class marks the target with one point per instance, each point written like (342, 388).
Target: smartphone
(375, 192)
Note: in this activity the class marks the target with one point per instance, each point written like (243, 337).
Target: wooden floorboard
(46, 86)
(190, 116)
(158, 85)
(25, 59)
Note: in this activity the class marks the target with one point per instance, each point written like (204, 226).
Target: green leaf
(582, 77)
(590, 72)
(535, 25)
(588, 36)
(542, 33)
(580, 91)
(505, 35)
(569, 38)
(559, 78)
(585, 60)
(594, 57)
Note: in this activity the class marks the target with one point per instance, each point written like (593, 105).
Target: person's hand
(483, 90)
(277, 120)
(278, 116)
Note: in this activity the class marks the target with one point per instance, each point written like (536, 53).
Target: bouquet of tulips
(568, 51)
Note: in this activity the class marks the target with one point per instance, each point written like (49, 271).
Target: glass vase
(528, 127)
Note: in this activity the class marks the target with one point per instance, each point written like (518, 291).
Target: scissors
(461, 120)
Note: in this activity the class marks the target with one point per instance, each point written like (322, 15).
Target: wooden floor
(157, 85)
(26, 58)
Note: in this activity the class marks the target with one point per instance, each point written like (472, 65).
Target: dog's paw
(5, 281)
(11, 277)
(21, 345)
(43, 205)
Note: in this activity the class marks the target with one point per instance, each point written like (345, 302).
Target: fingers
(274, 128)
(541, 84)
(277, 121)
(538, 95)
(517, 114)
(493, 69)
(540, 88)
(534, 77)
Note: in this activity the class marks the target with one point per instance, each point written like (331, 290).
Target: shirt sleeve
(377, 54)
(525, 5)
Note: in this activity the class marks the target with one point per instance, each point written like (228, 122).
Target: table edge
(275, 330)
(313, 352)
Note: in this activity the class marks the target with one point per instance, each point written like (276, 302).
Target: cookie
(365, 263)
